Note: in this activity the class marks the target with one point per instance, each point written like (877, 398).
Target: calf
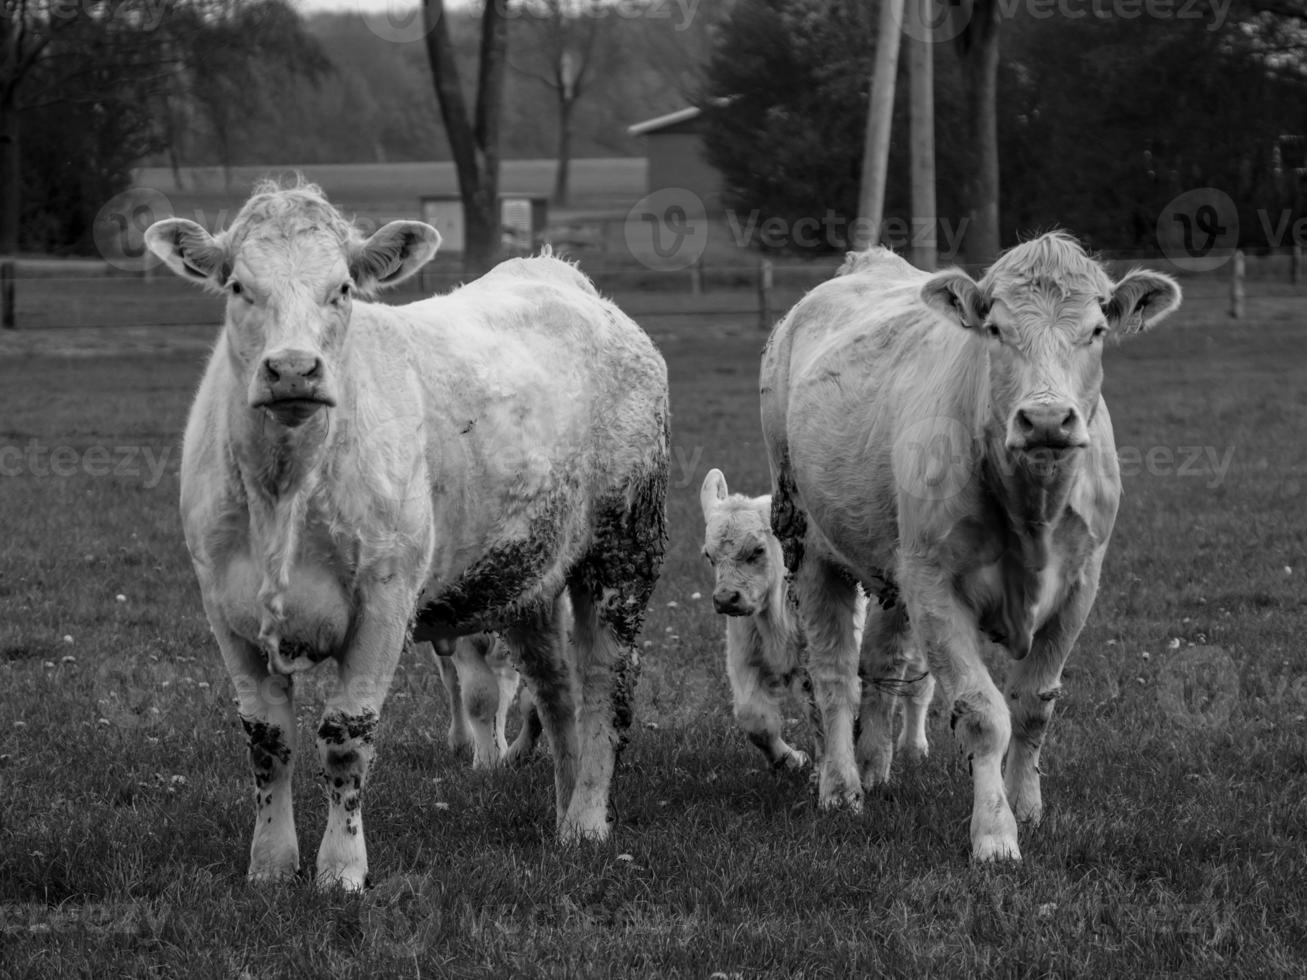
(765, 644)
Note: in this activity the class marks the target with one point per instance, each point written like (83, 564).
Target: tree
(473, 140)
(977, 45)
(567, 48)
(784, 79)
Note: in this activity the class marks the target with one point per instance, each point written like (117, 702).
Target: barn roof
(662, 122)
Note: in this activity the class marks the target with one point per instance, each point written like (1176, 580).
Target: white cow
(353, 473)
(481, 683)
(944, 443)
(765, 644)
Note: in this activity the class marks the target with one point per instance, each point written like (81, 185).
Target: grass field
(1175, 839)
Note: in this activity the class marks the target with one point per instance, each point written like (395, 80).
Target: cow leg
(606, 669)
(919, 691)
(1033, 685)
(948, 634)
(459, 736)
(267, 713)
(347, 734)
(539, 646)
(528, 734)
(507, 681)
(481, 699)
(883, 670)
(827, 610)
(756, 695)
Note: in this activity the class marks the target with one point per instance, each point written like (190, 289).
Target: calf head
(1045, 309)
(739, 544)
(290, 266)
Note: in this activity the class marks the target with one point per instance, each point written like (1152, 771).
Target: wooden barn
(674, 148)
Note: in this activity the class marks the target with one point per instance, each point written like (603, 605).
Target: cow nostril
(1069, 421)
(271, 371)
(315, 368)
(1024, 423)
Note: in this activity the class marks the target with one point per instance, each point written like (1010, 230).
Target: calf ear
(713, 491)
(1141, 299)
(189, 251)
(393, 253)
(956, 295)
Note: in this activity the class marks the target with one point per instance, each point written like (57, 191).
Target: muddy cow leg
(538, 644)
(610, 590)
(267, 712)
(348, 730)
(527, 736)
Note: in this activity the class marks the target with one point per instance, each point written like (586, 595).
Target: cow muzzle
(292, 386)
(731, 602)
(1047, 426)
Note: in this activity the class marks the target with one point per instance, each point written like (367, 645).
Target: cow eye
(991, 328)
(341, 294)
(1099, 332)
(236, 289)
(757, 553)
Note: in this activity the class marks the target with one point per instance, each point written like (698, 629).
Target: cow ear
(188, 250)
(1141, 299)
(713, 491)
(393, 253)
(956, 295)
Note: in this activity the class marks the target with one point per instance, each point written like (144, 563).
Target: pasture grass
(1175, 841)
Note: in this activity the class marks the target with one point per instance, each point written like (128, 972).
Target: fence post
(1295, 265)
(696, 277)
(7, 318)
(1236, 285)
(764, 294)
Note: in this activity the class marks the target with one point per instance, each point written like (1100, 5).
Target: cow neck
(1030, 501)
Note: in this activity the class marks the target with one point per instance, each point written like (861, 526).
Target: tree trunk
(880, 115)
(562, 177)
(978, 46)
(475, 148)
(11, 177)
(923, 251)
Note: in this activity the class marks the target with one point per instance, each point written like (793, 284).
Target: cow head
(739, 544)
(290, 267)
(1045, 309)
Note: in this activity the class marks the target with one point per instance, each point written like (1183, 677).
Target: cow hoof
(914, 755)
(517, 756)
(992, 848)
(271, 876)
(346, 879)
(1028, 812)
(848, 799)
(793, 761)
(577, 831)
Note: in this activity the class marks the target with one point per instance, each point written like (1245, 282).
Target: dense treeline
(1102, 121)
